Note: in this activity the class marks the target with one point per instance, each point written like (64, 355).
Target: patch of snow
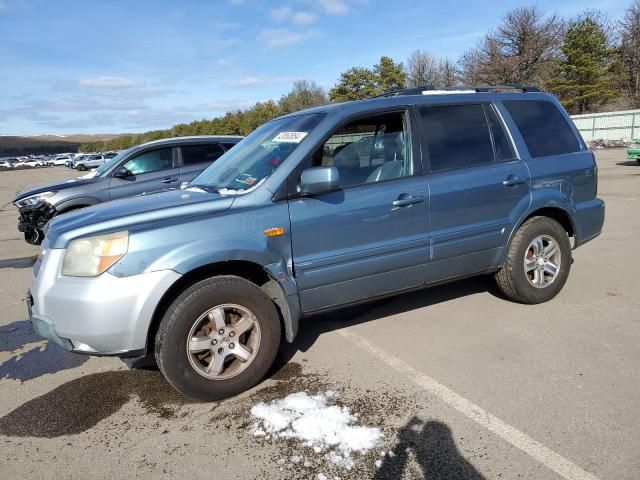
(391, 454)
(378, 463)
(317, 423)
(322, 476)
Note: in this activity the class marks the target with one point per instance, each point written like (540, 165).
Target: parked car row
(316, 210)
(78, 161)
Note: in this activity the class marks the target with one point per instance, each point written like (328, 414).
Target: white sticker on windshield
(290, 137)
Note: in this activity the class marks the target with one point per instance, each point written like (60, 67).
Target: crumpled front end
(33, 221)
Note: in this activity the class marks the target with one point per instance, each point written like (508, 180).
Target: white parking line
(563, 467)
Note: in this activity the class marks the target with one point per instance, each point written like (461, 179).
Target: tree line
(591, 63)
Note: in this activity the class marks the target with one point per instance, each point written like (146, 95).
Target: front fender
(77, 202)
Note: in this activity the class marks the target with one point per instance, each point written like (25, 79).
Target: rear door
(152, 171)
(478, 187)
(195, 158)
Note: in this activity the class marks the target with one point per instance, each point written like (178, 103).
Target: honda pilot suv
(316, 210)
(150, 167)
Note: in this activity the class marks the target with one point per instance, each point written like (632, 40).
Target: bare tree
(520, 50)
(629, 32)
(422, 69)
(425, 68)
(448, 73)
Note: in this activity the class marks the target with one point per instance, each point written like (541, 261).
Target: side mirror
(123, 173)
(316, 180)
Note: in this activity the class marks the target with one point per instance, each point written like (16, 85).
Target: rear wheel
(218, 338)
(538, 262)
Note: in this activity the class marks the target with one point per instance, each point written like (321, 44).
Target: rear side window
(501, 143)
(193, 154)
(544, 129)
(457, 136)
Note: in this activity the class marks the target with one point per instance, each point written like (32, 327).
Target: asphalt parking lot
(462, 383)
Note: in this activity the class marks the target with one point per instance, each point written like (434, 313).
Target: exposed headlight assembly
(91, 256)
(34, 200)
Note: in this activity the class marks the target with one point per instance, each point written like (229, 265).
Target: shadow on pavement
(434, 449)
(313, 327)
(40, 360)
(629, 163)
(80, 404)
(22, 262)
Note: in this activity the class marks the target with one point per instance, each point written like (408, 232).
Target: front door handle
(513, 180)
(405, 200)
(169, 180)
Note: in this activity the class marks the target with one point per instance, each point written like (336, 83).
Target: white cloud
(304, 18)
(261, 80)
(280, 14)
(334, 7)
(225, 62)
(282, 37)
(106, 82)
(225, 26)
(223, 43)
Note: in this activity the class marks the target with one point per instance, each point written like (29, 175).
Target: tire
(81, 167)
(534, 283)
(184, 370)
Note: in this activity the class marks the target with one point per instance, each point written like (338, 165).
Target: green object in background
(633, 152)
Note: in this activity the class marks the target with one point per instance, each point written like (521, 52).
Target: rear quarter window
(543, 127)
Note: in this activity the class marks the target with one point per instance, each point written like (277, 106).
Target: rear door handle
(405, 200)
(169, 180)
(513, 180)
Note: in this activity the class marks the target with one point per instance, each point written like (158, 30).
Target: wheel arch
(253, 272)
(76, 203)
(553, 211)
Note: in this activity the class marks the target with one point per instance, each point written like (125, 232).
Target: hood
(134, 213)
(56, 187)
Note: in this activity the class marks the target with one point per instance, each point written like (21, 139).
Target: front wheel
(538, 262)
(218, 338)
(82, 168)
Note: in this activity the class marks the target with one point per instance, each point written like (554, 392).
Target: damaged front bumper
(33, 221)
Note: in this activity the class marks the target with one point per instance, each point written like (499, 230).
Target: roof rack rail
(429, 88)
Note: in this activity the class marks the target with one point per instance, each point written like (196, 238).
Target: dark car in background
(150, 167)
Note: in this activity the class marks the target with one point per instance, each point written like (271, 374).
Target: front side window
(544, 129)
(194, 154)
(151, 161)
(256, 157)
(457, 136)
(369, 150)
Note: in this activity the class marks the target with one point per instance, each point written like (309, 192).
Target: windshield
(256, 157)
(108, 164)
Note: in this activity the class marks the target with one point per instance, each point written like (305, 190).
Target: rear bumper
(589, 219)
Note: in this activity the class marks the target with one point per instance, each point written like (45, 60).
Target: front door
(152, 171)
(370, 237)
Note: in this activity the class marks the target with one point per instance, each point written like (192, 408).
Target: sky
(135, 65)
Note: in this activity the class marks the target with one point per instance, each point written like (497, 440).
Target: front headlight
(91, 256)
(35, 199)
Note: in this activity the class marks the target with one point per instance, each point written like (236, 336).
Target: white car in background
(88, 161)
(60, 160)
(30, 163)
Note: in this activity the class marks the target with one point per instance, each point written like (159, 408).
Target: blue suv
(316, 210)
